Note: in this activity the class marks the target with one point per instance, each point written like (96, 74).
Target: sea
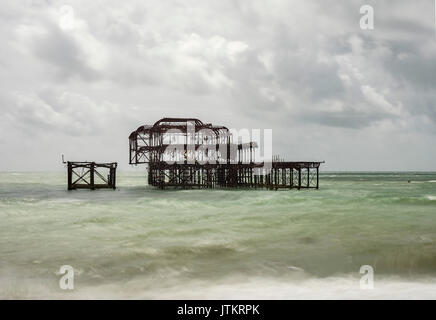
(362, 235)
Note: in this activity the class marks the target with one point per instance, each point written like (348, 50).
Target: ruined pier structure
(187, 153)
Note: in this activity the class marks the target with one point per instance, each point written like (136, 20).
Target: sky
(76, 77)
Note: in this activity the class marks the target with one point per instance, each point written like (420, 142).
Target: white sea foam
(346, 287)
(339, 287)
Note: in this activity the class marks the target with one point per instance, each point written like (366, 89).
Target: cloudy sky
(76, 77)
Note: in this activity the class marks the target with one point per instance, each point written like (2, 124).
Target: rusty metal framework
(91, 175)
(187, 153)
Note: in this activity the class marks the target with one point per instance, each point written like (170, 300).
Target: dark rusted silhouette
(187, 153)
(91, 175)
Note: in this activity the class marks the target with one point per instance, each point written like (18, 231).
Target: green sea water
(139, 242)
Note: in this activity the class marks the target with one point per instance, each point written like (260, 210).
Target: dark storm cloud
(63, 53)
(412, 67)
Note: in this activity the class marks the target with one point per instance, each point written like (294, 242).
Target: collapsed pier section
(91, 175)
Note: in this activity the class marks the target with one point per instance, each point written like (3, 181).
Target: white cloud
(379, 101)
(193, 61)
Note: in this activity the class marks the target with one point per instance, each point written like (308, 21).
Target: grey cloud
(346, 119)
(61, 52)
(50, 112)
(295, 66)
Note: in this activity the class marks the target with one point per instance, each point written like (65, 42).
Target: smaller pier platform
(91, 175)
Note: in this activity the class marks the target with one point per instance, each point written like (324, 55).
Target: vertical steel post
(91, 174)
(70, 175)
(299, 178)
(308, 176)
(317, 177)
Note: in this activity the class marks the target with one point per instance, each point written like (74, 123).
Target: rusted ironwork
(91, 175)
(187, 153)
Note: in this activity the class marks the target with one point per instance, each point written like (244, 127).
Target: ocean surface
(138, 242)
